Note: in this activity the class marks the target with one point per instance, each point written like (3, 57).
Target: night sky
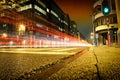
(79, 11)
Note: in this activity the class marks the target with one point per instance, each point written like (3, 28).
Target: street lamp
(21, 29)
(4, 35)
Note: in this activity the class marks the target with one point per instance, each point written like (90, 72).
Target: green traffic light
(106, 7)
(115, 32)
(106, 10)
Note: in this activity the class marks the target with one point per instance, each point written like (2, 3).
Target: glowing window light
(55, 14)
(40, 9)
(24, 42)
(4, 35)
(21, 27)
(48, 10)
(25, 7)
(66, 39)
(22, 1)
(41, 3)
(39, 25)
(11, 42)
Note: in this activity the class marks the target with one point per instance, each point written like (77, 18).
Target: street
(59, 40)
(97, 63)
(15, 62)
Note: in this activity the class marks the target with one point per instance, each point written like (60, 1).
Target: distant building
(104, 24)
(73, 28)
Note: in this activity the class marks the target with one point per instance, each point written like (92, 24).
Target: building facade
(105, 26)
(29, 21)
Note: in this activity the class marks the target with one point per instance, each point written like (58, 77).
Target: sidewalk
(100, 63)
(108, 62)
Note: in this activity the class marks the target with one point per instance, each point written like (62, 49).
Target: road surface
(15, 62)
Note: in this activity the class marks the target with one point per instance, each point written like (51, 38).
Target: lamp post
(93, 31)
(108, 32)
(92, 37)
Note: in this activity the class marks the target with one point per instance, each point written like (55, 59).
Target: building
(105, 26)
(36, 19)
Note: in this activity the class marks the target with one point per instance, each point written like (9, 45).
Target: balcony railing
(104, 27)
(100, 14)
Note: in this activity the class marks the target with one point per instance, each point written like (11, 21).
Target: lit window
(54, 13)
(40, 9)
(4, 25)
(41, 3)
(25, 7)
(39, 25)
(11, 42)
(65, 23)
(22, 1)
(59, 19)
(47, 10)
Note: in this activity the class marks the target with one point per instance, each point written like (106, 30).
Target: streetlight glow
(4, 35)
(21, 27)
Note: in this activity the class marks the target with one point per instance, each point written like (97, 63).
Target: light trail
(41, 50)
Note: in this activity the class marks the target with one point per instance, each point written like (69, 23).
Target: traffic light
(115, 32)
(106, 7)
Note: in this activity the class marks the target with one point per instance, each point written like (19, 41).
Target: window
(40, 10)
(65, 23)
(25, 7)
(48, 10)
(99, 22)
(113, 4)
(104, 21)
(111, 20)
(55, 14)
(95, 24)
(41, 3)
(22, 1)
(115, 19)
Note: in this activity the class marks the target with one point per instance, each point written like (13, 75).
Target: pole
(93, 31)
(108, 31)
(115, 39)
(109, 38)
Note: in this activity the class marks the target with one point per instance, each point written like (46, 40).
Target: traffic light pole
(108, 31)
(108, 35)
(106, 10)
